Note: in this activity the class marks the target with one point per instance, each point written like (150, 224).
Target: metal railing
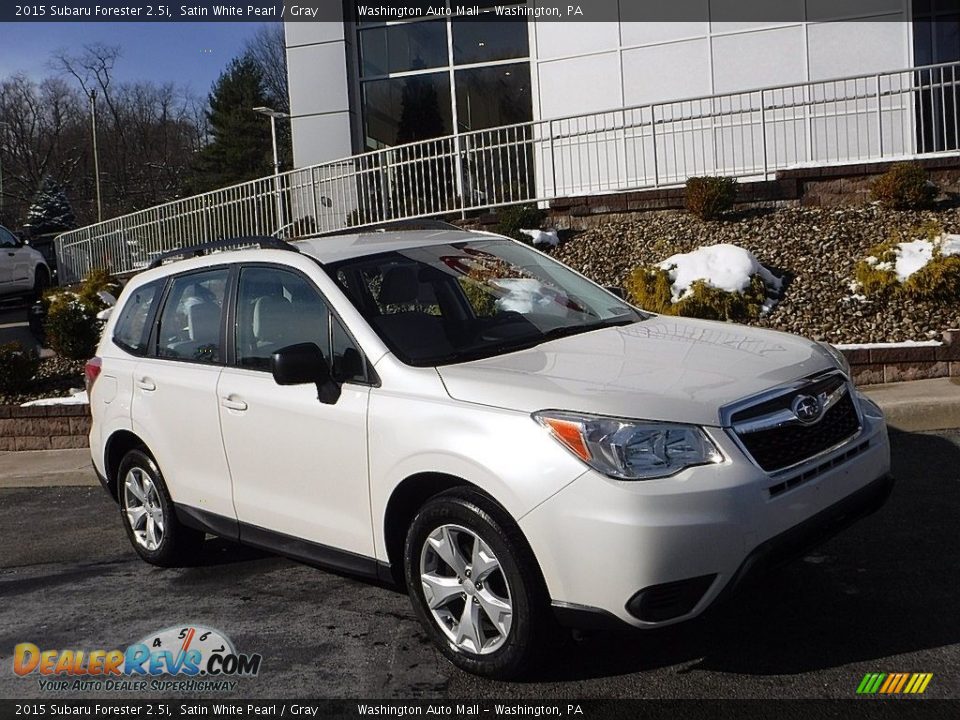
(749, 135)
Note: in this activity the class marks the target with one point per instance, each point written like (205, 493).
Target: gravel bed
(816, 248)
(55, 378)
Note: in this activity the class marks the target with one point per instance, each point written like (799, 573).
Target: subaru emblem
(807, 409)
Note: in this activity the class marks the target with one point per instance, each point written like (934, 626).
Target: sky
(190, 55)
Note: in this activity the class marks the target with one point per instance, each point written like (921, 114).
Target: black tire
(41, 281)
(178, 545)
(526, 636)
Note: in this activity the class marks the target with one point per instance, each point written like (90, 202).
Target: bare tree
(267, 48)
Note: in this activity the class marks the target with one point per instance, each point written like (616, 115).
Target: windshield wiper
(568, 330)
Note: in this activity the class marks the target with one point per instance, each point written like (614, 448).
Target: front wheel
(474, 584)
(41, 281)
(149, 516)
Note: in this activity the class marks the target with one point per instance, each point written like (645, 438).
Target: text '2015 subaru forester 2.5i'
(463, 414)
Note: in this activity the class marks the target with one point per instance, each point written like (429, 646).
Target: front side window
(131, 332)
(277, 308)
(189, 326)
(450, 303)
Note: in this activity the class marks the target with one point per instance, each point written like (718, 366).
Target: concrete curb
(46, 468)
(920, 405)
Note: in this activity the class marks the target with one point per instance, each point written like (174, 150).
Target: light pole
(274, 115)
(3, 137)
(96, 154)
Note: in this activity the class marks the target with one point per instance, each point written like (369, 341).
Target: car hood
(663, 368)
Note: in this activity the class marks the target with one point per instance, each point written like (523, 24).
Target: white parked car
(23, 270)
(460, 413)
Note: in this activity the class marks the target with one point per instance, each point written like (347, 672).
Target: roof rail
(264, 242)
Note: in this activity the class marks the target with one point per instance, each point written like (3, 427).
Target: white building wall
(626, 67)
(592, 67)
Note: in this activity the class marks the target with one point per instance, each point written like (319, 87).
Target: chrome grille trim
(727, 413)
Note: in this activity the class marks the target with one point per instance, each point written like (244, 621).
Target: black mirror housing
(304, 364)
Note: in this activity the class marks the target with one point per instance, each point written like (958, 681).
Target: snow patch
(914, 255)
(725, 267)
(548, 238)
(78, 398)
(880, 346)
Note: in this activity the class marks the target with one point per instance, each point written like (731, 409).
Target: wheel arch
(119, 444)
(412, 493)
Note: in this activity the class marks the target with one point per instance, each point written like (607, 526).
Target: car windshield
(442, 304)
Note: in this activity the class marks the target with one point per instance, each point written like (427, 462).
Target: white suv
(460, 413)
(23, 271)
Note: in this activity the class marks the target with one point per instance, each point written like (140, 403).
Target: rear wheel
(474, 584)
(149, 516)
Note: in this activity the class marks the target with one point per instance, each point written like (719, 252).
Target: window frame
(370, 376)
(153, 342)
(149, 322)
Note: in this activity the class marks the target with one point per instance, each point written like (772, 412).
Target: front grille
(782, 447)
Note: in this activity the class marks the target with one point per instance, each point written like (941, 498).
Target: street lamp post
(96, 154)
(274, 115)
(3, 137)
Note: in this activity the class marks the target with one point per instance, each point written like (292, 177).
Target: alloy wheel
(465, 589)
(143, 508)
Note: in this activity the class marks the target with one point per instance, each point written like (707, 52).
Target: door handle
(146, 384)
(231, 403)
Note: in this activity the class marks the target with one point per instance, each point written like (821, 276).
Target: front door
(299, 467)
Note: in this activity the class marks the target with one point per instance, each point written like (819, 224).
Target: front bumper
(687, 539)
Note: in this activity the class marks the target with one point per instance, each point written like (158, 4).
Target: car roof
(333, 248)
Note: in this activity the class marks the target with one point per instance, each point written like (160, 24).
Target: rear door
(175, 407)
(299, 467)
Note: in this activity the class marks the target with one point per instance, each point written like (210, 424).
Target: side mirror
(304, 364)
(616, 290)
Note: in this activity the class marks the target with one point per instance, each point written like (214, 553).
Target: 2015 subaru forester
(462, 414)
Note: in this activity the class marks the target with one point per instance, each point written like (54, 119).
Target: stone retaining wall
(900, 363)
(828, 186)
(53, 427)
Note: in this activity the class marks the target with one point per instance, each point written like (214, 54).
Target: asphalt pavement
(882, 597)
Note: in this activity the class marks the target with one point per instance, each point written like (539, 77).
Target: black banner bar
(853, 709)
(715, 11)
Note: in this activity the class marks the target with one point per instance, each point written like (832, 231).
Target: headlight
(630, 450)
(838, 357)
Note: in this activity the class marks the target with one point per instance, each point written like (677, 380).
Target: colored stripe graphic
(894, 683)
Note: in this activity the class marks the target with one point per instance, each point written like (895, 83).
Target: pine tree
(50, 211)
(240, 146)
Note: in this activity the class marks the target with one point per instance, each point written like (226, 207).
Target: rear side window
(189, 326)
(132, 332)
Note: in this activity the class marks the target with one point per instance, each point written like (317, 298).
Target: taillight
(91, 371)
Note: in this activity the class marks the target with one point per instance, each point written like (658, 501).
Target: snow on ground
(914, 255)
(725, 267)
(878, 346)
(79, 398)
(549, 238)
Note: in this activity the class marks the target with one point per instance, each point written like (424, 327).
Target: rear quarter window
(132, 330)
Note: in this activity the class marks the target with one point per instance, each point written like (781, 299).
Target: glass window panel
(476, 41)
(400, 48)
(402, 110)
(190, 322)
(493, 96)
(922, 42)
(948, 39)
(131, 332)
(276, 309)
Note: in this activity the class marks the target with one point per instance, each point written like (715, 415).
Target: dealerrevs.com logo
(193, 658)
